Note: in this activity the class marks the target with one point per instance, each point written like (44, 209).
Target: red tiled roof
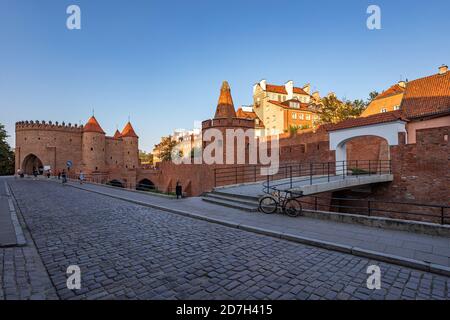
(249, 115)
(117, 135)
(365, 121)
(393, 90)
(128, 131)
(285, 104)
(92, 125)
(281, 89)
(427, 96)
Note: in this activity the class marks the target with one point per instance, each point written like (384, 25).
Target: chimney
(307, 88)
(263, 83)
(289, 86)
(402, 84)
(443, 69)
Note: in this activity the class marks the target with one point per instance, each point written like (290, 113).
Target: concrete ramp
(313, 186)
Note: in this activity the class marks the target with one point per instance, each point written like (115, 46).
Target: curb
(394, 259)
(20, 237)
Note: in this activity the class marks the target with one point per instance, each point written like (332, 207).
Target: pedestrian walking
(59, 175)
(64, 176)
(81, 177)
(178, 190)
(35, 173)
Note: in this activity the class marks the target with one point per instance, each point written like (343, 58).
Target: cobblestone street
(127, 251)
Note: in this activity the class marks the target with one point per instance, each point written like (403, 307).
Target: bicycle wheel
(268, 205)
(293, 208)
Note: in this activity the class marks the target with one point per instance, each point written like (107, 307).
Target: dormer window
(294, 104)
(396, 107)
(383, 110)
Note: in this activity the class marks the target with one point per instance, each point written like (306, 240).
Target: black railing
(289, 174)
(433, 213)
(311, 173)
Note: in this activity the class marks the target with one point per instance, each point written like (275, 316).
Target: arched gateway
(385, 125)
(32, 162)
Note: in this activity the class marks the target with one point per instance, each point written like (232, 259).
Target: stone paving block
(129, 251)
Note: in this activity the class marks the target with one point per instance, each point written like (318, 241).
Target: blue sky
(162, 62)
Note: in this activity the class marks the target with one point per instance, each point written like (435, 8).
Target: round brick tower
(225, 118)
(93, 146)
(130, 147)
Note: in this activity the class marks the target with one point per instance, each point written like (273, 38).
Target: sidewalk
(10, 230)
(424, 252)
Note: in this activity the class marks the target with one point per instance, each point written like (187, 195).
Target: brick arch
(30, 162)
(388, 131)
(145, 185)
(116, 183)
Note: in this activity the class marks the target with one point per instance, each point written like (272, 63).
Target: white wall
(388, 131)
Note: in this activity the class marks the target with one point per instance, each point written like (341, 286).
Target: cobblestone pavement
(22, 273)
(127, 251)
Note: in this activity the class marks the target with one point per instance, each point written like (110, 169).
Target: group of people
(60, 174)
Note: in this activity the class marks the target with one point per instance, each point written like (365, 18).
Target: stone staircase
(231, 200)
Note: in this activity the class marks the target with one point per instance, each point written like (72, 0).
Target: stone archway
(387, 131)
(30, 163)
(145, 185)
(116, 183)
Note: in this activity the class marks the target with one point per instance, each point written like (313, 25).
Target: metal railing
(310, 173)
(296, 172)
(433, 213)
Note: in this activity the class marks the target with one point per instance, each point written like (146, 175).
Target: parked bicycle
(286, 200)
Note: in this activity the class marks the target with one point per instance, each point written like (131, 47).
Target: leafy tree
(372, 96)
(334, 110)
(293, 129)
(166, 147)
(6, 154)
(145, 157)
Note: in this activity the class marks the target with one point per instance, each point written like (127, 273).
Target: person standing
(59, 175)
(81, 177)
(178, 190)
(64, 176)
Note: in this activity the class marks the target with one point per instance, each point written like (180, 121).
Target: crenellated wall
(101, 158)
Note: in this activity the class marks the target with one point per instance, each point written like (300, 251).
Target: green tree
(166, 147)
(334, 110)
(372, 96)
(145, 157)
(6, 154)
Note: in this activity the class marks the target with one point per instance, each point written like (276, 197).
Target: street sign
(69, 164)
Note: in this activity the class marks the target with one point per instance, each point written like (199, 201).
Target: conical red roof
(128, 131)
(92, 125)
(117, 135)
(225, 106)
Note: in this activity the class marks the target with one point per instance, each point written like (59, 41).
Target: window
(301, 116)
(294, 115)
(302, 148)
(383, 110)
(279, 97)
(396, 107)
(308, 117)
